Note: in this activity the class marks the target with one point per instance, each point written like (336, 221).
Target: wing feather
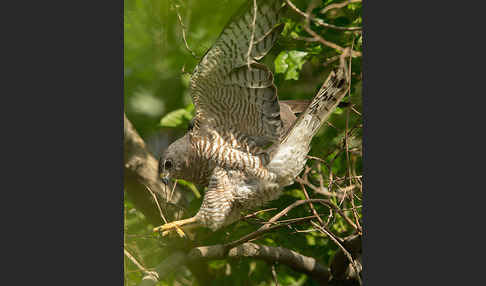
(229, 94)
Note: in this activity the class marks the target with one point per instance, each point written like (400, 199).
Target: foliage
(290, 63)
(157, 65)
(177, 117)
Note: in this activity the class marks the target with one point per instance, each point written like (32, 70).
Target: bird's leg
(176, 225)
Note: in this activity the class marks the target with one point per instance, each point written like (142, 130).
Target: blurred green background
(157, 66)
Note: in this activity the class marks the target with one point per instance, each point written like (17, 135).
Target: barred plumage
(245, 145)
(225, 89)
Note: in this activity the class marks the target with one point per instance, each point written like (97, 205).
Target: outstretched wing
(229, 95)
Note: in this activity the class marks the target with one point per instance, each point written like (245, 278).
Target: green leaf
(190, 186)
(288, 27)
(190, 109)
(281, 65)
(176, 118)
(217, 264)
(297, 194)
(311, 240)
(297, 58)
(290, 63)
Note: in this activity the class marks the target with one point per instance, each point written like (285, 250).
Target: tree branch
(153, 275)
(340, 265)
(338, 5)
(281, 255)
(348, 255)
(301, 202)
(141, 170)
(175, 260)
(315, 36)
(320, 22)
(183, 28)
(141, 178)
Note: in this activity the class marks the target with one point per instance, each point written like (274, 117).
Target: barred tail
(289, 158)
(323, 104)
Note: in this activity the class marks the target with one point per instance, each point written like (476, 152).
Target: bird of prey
(244, 144)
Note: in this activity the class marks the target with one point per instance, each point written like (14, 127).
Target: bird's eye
(168, 164)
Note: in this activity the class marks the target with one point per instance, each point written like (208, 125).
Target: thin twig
(346, 143)
(252, 36)
(264, 229)
(154, 274)
(348, 255)
(258, 212)
(321, 191)
(183, 27)
(322, 40)
(274, 274)
(291, 220)
(157, 203)
(320, 22)
(308, 198)
(172, 191)
(347, 133)
(301, 202)
(347, 188)
(338, 5)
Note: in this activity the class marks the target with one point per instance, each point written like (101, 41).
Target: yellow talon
(165, 233)
(177, 226)
(179, 231)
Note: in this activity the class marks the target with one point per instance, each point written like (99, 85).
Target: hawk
(244, 144)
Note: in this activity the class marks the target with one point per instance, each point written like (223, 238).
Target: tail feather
(323, 104)
(289, 157)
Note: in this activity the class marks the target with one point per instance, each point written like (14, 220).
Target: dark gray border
(63, 75)
(422, 122)
(423, 146)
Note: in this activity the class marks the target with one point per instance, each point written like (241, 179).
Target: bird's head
(174, 162)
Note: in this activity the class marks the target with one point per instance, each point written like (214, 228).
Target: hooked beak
(164, 178)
